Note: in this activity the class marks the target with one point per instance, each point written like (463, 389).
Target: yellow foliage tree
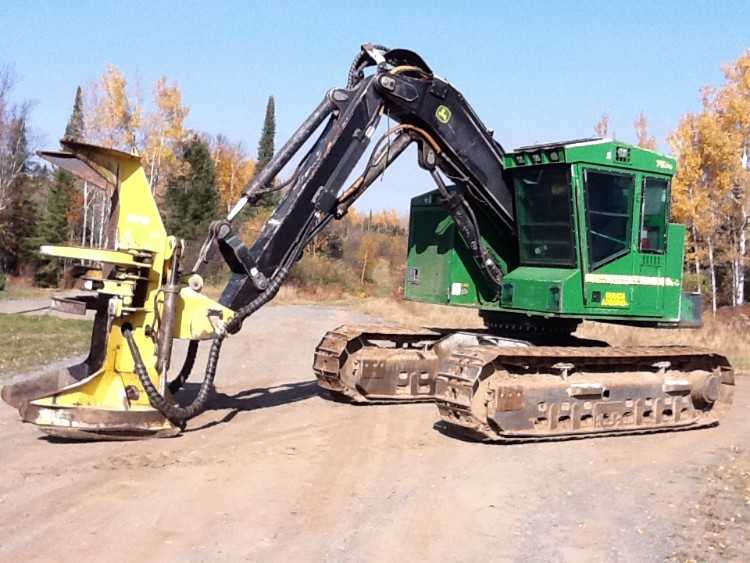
(710, 189)
(354, 217)
(234, 169)
(367, 255)
(163, 133)
(733, 104)
(688, 192)
(113, 113)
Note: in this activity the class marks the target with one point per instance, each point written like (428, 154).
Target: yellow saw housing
(103, 397)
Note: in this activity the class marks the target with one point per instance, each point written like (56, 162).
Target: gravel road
(276, 472)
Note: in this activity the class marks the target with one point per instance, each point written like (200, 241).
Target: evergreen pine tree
(75, 129)
(266, 148)
(265, 145)
(53, 227)
(191, 200)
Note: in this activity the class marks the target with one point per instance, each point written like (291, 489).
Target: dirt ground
(276, 472)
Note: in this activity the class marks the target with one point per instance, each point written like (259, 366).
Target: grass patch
(398, 311)
(15, 290)
(421, 314)
(37, 340)
(727, 336)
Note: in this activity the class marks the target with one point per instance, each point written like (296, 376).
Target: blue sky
(534, 71)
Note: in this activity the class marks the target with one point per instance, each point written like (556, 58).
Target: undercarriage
(505, 389)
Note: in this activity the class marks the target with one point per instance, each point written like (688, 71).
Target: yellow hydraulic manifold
(136, 293)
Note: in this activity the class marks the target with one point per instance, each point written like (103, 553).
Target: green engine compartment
(592, 241)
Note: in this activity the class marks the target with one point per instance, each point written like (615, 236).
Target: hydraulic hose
(175, 413)
(177, 383)
(180, 414)
(360, 62)
(234, 326)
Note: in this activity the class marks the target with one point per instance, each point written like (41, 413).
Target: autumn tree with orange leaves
(163, 134)
(113, 111)
(234, 169)
(711, 190)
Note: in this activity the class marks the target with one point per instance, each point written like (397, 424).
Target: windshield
(544, 213)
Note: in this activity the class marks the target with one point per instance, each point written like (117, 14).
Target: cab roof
(593, 150)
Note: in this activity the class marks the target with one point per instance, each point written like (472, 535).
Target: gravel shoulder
(273, 471)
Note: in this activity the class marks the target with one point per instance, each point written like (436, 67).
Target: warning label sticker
(615, 299)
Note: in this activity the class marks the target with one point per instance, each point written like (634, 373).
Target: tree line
(195, 177)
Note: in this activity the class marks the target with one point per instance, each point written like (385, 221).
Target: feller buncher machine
(538, 240)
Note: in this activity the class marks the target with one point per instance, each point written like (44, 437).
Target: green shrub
(2, 281)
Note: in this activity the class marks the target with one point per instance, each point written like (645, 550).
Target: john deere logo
(443, 114)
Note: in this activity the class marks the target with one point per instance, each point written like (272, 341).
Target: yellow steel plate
(95, 254)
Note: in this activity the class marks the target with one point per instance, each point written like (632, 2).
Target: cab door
(652, 244)
(608, 276)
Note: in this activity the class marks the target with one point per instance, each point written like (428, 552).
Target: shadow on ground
(250, 399)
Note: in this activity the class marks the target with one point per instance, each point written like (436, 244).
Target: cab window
(545, 215)
(609, 200)
(654, 215)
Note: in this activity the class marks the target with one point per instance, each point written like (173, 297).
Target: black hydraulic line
(180, 414)
(288, 182)
(175, 413)
(234, 326)
(360, 62)
(178, 382)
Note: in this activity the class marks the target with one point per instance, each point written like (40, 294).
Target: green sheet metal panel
(431, 246)
(631, 285)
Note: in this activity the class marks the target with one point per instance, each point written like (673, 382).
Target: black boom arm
(451, 139)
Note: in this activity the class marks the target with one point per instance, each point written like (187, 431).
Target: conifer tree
(75, 129)
(53, 228)
(266, 143)
(191, 200)
(266, 148)
(78, 202)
